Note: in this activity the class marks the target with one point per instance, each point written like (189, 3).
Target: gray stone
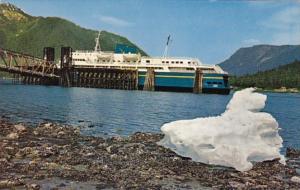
(20, 128)
(13, 136)
(295, 179)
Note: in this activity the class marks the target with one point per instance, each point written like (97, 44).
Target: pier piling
(49, 54)
(198, 81)
(149, 84)
(66, 76)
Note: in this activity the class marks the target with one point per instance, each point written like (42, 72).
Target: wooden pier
(70, 76)
(27, 69)
(105, 78)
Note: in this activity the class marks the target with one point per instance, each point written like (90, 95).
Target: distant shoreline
(275, 90)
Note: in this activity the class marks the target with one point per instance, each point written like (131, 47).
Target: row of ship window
(176, 62)
(106, 60)
(214, 82)
(78, 59)
(147, 61)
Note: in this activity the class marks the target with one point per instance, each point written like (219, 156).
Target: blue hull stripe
(185, 80)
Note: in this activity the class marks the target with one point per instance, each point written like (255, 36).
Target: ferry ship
(170, 73)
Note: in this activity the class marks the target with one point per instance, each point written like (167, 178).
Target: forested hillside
(284, 76)
(24, 33)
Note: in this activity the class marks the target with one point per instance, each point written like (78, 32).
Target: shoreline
(275, 90)
(279, 90)
(58, 156)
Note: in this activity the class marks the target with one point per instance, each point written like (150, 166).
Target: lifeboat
(131, 57)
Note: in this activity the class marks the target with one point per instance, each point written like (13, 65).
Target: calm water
(104, 112)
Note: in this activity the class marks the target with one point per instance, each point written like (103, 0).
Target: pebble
(61, 133)
(20, 128)
(33, 186)
(13, 135)
(237, 185)
(10, 183)
(292, 153)
(295, 179)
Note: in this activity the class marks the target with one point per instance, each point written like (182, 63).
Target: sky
(211, 30)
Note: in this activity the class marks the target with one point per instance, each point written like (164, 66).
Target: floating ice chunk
(240, 135)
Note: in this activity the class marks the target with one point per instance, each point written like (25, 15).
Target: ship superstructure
(171, 73)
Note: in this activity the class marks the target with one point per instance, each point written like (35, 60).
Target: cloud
(251, 42)
(284, 26)
(262, 2)
(115, 21)
(269, 3)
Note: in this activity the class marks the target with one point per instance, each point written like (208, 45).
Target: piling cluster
(105, 78)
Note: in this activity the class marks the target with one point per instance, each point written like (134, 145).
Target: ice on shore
(237, 137)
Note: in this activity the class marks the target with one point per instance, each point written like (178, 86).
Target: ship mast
(97, 46)
(166, 48)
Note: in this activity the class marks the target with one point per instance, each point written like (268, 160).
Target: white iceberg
(241, 134)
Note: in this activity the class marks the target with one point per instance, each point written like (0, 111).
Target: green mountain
(258, 58)
(24, 33)
(284, 76)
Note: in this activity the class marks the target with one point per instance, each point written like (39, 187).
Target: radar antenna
(97, 46)
(167, 45)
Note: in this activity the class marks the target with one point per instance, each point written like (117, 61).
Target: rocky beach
(53, 156)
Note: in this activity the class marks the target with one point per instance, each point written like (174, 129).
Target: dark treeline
(284, 76)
